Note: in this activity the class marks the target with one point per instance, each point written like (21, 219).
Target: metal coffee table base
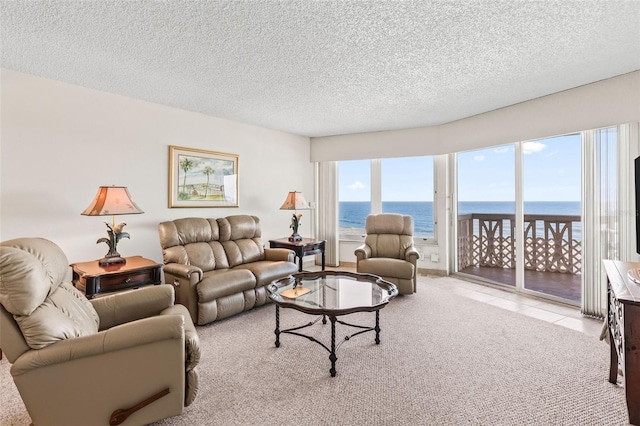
(332, 351)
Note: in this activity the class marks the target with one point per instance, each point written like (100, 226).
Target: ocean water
(352, 214)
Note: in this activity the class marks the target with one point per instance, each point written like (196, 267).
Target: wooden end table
(302, 248)
(93, 279)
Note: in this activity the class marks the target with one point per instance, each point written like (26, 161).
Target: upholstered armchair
(388, 250)
(127, 358)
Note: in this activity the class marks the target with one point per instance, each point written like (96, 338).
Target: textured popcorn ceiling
(319, 68)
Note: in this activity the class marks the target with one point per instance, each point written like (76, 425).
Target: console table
(304, 247)
(92, 279)
(623, 322)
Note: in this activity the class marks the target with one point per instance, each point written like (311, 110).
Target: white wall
(60, 142)
(604, 103)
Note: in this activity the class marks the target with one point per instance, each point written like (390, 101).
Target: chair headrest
(389, 223)
(239, 227)
(30, 269)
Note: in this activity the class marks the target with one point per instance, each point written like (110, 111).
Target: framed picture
(199, 178)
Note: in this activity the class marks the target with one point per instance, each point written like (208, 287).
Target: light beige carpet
(443, 360)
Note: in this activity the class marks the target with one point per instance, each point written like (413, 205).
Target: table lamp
(112, 201)
(295, 201)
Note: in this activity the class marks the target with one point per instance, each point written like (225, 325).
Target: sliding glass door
(486, 214)
(518, 216)
(551, 191)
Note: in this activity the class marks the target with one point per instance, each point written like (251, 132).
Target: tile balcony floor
(557, 313)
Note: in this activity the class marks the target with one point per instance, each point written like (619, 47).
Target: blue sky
(551, 169)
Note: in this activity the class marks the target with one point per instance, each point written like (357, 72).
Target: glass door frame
(519, 230)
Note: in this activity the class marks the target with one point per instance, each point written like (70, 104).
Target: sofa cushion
(195, 229)
(243, 251)
(207, 256)
(386, 267)
(65, 314)
(389, 235)
(239, 227)
(389, 223)
(267, 271)
(193, 241)
(224, 282)
(388, 245)
(31, 268)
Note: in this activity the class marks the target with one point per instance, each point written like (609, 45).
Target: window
(407, 188)
(354, 196)
(393, 185)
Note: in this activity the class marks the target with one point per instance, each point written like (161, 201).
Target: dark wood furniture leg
(613, 366)
(300, 254)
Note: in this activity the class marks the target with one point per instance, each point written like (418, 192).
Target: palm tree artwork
(206, 178)
(207, 171)
(186, 164)
(202, 179)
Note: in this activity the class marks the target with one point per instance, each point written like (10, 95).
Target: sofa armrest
(125, 336)
(275, 254)
(412, 255)
(183, 271)
(145, 302)
(363, 252)
(185, 279)
(191, 339)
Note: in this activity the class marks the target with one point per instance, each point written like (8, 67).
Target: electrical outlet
(435, 258)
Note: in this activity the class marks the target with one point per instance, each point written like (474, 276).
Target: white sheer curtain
(600, 215)
(629, 149)
(327, 190)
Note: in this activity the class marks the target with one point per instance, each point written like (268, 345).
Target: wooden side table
(93, 279)
(302, 248)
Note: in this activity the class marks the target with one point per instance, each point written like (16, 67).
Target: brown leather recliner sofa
(220, 266)
(81, 362)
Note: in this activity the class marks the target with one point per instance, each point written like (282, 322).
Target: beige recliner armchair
(127, 358)
(388, 250)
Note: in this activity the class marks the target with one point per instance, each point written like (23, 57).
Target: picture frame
(200, 178)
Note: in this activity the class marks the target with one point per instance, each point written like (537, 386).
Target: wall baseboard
(433, 272)
(421, 271)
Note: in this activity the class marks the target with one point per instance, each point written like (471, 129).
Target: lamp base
(295, 237)
(110, 261)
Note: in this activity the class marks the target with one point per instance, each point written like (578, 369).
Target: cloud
(357, 185)
(501, 150)
(531, 147)
(479, 158)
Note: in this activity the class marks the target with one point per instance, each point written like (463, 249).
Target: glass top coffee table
(331, 294)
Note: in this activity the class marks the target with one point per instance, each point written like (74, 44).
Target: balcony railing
(550, 243)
